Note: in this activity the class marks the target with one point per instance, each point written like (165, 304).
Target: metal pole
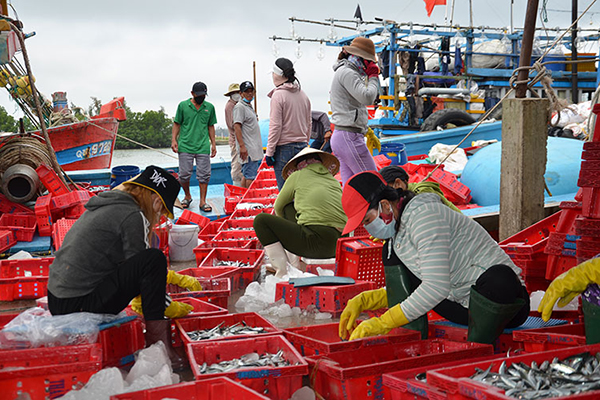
(574, 91)
(526, 47)
(512, 7)
(452, 12)
(471, 12)
(254, 74)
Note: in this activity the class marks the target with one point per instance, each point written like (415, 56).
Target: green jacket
(317, 197)
(431, 187)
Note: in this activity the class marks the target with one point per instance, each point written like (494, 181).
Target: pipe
(436, 91)
(20, 183)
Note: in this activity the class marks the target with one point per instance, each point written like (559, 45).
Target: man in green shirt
(193, 138)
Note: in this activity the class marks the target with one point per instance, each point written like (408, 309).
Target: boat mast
(574, 92)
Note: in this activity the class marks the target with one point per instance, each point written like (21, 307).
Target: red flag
(429, 4)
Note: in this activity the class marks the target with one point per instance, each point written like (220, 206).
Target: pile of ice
(152, 369)
(260, 298)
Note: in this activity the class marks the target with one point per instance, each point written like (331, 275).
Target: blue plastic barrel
(395, 152)
(122, 173)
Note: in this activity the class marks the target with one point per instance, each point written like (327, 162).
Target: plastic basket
(261, 193)
(265, 174)
(22, 225)
(230, 203)
(234, 238)
(51, 181)
(202, 308)
(23, 288)
(533, 239)
(587, 226)
(59, 231)
(43, 215)
(47, 372)
(201, 323)
(357, 374)
(190, 217)
(232, 273)
(331, 299)
(555, 337)
(454, 380)
(250, 214)
(25, 268)
(237, 224)
(215, 291)
(360, 258)
(263, 183)
(275, 383)
(323, 339)
(247, 256)
(210, 229)
(231, 190)
(264, 202)
(7, 240)
(64, 201)
(120, 340)
(9, 207)
(207, 389)
(504, 343)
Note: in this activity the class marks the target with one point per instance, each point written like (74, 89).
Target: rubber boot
(160, 330)
(399, 287)
(278, 257)
(487, 319)
(294, 260)
(591, 319)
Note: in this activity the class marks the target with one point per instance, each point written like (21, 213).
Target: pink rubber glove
(372, 70)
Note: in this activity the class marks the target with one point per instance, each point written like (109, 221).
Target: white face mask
(379, 229)
(236, 97)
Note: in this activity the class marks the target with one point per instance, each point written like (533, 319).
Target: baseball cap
(245, 86)
(160, 182)
(199, 89)
(359, 192)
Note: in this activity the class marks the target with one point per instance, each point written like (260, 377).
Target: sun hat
(234, 87)
(161, 182)
(246, 85)
(362, 47)
(359, 192)
(329, 161)
(199, 89)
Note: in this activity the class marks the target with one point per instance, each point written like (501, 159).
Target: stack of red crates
(563, 241)
(456, 192)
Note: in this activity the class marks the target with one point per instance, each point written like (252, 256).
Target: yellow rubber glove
(372, 141)
(184, 281)
(176, 309)
(568, 285)
(392, 318)
(367, 300)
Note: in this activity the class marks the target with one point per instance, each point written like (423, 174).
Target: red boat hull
(84, 145)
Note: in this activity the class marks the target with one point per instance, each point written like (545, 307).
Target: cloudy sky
(152, 52)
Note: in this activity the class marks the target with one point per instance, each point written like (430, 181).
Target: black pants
(498, 283)
(145, 274)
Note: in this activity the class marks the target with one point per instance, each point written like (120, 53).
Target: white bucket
(182, 241)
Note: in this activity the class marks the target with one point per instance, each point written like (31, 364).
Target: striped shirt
(446, 250)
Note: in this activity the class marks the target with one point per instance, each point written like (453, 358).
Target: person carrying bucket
(582, 279)
(105, 260)
(355, 85)
(453, 266)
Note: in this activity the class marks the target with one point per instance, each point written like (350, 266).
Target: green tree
(152, 128)
(7, 121)
(94, 108)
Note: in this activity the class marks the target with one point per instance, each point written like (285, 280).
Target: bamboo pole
(38, 107)
(254, 79)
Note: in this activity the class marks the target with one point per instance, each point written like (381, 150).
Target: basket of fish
(231, 326)
(269, 365)
(229, 272)
(215, 291)
(556, 374)
(247, 260)
(550, 338)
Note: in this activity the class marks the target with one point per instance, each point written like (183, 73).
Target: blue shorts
(250, 169)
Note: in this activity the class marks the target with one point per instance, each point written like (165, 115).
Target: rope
(542, 73)
(23, 150)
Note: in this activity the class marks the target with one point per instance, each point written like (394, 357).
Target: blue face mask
(247, 101)
(379, 229)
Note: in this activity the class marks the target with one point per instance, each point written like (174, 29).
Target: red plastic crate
(119, 341)
(207, 389)
(25, 268)
(59, 231)
(202, 308)
(237, 224)
(231, 190)
(234, 238)
(263, 183)
(43, 214)
(51, 181)
(533, 239)
(454, 190)
(265, 202)
(323, 339)
(190, 217)
(23, 288)
(459, 334)
(331, 299)
(250, 214)
(261, 193)
(590, 204)
(454, 380)
(47, 372)
(210, 229)
(232, 273)
(275, 383)
(357, 374)
(587, 226)
(22, 225)
(74, 198)
(250, 319)
(360, 258)
(248, 256)
(9, 207)
(7, 240)
(230, 203)
(404, 386)
(265, 174)
(215, 291)
(555, 337)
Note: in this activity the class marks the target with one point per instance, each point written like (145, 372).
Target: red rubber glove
(372, 69)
